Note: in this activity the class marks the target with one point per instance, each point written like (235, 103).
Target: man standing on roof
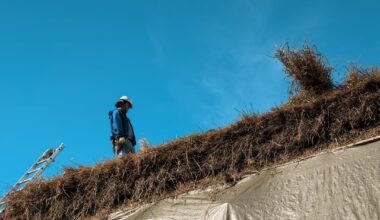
(123, 136)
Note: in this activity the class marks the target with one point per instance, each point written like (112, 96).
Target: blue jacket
(121, 126)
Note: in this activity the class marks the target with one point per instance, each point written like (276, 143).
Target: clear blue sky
(189, 66)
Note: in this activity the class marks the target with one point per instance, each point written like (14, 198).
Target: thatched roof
(338, 115)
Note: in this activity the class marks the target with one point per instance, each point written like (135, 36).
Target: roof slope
(253, 143)
(346, 179)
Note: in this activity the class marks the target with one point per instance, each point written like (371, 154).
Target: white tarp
(344, 184)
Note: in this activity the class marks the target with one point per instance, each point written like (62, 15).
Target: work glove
(121, 140)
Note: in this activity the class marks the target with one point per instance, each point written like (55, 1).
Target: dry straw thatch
(252, 143)
(309, 70)
(144, 145)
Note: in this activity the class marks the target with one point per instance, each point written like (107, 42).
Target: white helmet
(125, 98)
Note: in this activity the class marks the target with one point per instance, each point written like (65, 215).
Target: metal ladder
(33, 173)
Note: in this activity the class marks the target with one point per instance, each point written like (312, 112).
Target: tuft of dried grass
(144, 145)
(357, 75)
(308, 69)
